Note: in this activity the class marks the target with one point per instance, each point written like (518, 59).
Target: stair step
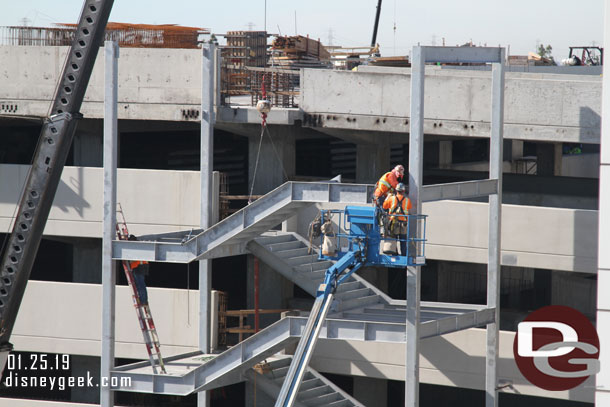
(281, 362)
(359, 302)
(266, 240)
(302, 260)
(277, 247)
(340, 403)
(349, 286)
(359, 293)
(293, 253)
(314, 392)
(279, 373)
(310, 384)
(322, 400)
(317, 275)
(318, 265)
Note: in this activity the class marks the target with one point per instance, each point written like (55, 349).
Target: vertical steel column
(416, 150)
(602, 390)
(207, 165)
(495, 218)
(111, 54)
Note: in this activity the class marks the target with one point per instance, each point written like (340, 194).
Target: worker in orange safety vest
(140, 271)
(398, 207)
(387, 184)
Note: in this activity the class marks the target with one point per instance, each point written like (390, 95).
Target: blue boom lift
(363, 239)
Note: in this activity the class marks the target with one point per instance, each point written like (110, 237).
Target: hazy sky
(518, 23)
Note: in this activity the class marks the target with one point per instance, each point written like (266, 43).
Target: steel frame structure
(492, 187)
(235, 235)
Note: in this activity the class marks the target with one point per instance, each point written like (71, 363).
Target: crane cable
(264, 106)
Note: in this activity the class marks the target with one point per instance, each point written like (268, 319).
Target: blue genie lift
(363, 242)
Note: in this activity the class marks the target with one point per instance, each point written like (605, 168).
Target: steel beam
(191, 372)
(420, 56)
(459, 190)
(111, 54)
(416, 156)
(207, 197)
(495, 231)
(275, 207)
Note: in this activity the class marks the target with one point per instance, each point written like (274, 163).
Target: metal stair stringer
(221, 370)
(316, 390)
(230, 236)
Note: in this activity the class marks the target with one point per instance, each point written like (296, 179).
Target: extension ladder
(147, 324)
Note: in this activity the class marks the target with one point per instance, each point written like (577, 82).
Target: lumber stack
(297, 51)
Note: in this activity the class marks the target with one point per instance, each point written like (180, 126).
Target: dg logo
(556, 348)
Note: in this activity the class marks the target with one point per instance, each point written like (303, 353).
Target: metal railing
(351, 239)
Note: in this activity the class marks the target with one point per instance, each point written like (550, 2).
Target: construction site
(232, 186)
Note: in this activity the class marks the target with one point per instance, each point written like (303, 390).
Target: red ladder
(147, 324)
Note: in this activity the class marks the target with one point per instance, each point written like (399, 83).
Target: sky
(518, 25)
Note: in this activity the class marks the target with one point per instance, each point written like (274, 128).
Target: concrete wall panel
(561, 107)
(456, 359)
(153, 83)
(538, 237)
(66, 318)
(153, 201)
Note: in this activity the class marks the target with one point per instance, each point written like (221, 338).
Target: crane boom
(49, 160)
(376, 26)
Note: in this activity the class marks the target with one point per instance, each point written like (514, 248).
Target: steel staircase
(361, 311)
(287, 253)
(316, 390)
(230, 236)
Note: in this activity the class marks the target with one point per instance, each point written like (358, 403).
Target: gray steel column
(207, 194)
(111, 54)
(495, 218)
(416, 150)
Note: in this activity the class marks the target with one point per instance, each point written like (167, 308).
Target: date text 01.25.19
(38, 361)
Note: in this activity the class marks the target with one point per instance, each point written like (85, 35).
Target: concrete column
(85, 366)
(87, 147)
(87, 261)
(371, 392)
(516, 153)
(516, 149)
(372, 161)
(548, 158)
(275, 291)
(277, 151)
(445, 152)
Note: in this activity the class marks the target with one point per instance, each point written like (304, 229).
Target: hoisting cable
(264, 107)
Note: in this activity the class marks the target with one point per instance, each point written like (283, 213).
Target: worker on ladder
(140, 271)
(387, 184)
(398, 207)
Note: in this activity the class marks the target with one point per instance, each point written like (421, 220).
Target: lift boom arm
(49, 160)
(351, 262)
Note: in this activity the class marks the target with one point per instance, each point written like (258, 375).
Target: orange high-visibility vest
(137, 263)
(386, 184)
(392, 204)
